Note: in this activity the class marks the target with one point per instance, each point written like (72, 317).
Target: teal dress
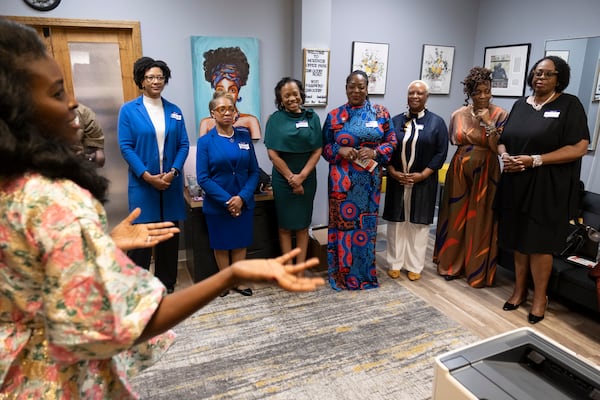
(295, 137)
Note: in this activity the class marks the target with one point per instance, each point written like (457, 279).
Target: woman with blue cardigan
(154, 142)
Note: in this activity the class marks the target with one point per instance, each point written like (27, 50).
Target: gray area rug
(374, 344)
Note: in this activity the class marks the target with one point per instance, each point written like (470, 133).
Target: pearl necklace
(538, 107)
(230, 136)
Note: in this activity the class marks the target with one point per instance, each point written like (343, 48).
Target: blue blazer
(222, 177)
(137, 141)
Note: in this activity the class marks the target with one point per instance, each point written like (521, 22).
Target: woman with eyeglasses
(227, 171)
(544, 139)
(467, 230)
(154, 143)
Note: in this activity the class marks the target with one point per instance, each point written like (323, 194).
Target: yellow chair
(442, 173)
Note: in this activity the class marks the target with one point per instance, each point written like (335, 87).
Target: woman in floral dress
(77, 317)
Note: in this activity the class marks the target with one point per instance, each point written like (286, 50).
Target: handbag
(581, 242)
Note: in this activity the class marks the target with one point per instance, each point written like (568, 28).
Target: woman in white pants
(412, 183)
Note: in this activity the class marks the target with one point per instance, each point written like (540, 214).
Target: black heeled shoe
(243, 292)
(534, 319)
(512, 307)
(449, 278)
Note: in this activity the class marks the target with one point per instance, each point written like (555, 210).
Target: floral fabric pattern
(71, 303)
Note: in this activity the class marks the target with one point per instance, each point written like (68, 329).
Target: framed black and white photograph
(315, 76)
(509, 68)
(436, 67)
(372, 58)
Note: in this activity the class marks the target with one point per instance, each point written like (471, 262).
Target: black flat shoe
(510, 306)
(450, 277)
(244, 292)
(225, 293)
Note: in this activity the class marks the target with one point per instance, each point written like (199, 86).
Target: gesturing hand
(128, 236)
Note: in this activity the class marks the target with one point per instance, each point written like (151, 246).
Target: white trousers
(406, 242)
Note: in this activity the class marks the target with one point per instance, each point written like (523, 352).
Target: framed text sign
(316, 76)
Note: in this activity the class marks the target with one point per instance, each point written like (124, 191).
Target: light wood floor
(480, 310)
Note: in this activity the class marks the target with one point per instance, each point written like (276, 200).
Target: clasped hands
(295, 181)
(234, 206)
(351, 154)
(160, 181)
(408, 178)
(516, 163)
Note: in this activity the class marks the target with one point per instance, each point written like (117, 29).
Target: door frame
(127, 56)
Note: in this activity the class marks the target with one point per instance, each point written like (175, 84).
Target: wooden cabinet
(199, 256)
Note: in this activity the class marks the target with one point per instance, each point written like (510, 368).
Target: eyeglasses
(548, 74)
(152, 78)
(223, 109)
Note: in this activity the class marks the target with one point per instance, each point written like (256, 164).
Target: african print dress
(466, 229)
(354, 192)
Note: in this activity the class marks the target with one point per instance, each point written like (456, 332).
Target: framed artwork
(229, 64)
(315, 76)
(436, 67)
(509, 68)
(373, 59)
(564, 54)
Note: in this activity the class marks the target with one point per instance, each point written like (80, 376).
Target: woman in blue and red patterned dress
(358, 138)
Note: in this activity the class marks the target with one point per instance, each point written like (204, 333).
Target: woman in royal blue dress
(358, 138)
(227, 171)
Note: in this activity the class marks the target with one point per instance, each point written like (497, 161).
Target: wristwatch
(175, 171)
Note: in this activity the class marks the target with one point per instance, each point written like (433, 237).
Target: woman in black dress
(541, 148)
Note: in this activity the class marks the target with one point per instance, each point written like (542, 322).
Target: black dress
(534, 206)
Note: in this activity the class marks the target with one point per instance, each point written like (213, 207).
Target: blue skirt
(227, 233)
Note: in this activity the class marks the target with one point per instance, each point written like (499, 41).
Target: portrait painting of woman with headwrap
(228, 68)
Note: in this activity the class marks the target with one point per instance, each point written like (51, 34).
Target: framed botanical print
(371, 58)
(436, 67)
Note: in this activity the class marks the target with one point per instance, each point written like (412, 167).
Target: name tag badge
(419, 126)
(176, 116)
(244, 146)
(551, 114)
(372, 124)
(302, 124)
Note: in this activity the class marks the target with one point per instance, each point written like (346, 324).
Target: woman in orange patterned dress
(466, 230)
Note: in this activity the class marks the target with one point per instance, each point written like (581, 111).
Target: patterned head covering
(222, 71)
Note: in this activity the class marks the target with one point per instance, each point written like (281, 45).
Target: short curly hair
(561, 66)
(477, 76)
(226, 56)
(143, 64)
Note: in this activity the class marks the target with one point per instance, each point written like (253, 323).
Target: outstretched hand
(128, 236)
(276, 269)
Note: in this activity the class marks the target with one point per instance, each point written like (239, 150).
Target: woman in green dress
(293, 139)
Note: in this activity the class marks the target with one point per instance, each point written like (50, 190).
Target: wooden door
(97, 61)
